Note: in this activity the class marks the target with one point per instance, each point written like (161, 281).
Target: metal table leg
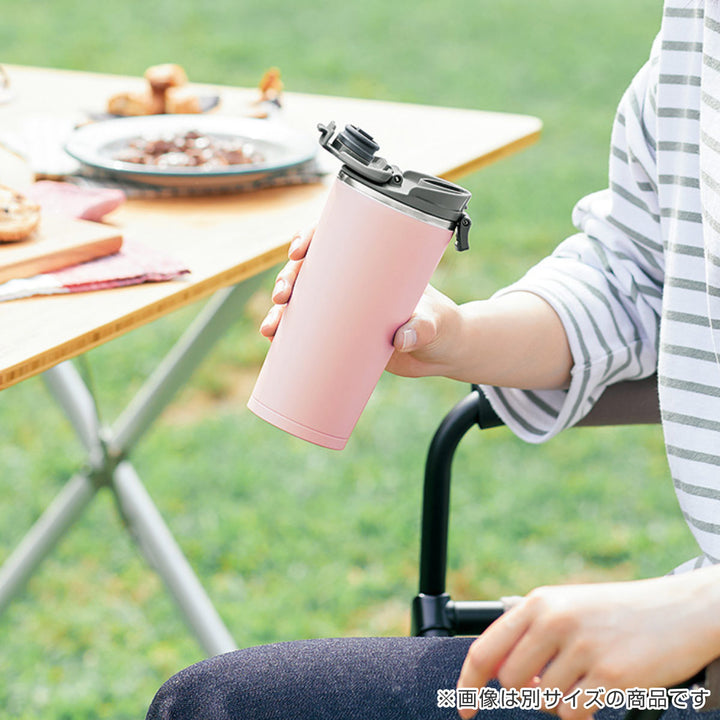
(178, 365)
(161, 549)
(107, 467)
(43, 536)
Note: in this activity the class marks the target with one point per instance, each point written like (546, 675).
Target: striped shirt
(638, 287)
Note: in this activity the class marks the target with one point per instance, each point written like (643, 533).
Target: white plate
(282, 148)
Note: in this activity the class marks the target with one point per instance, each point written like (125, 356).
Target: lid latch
(462, 232)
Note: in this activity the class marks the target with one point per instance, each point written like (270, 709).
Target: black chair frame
(433, 612)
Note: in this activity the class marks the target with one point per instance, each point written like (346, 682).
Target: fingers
(288, 275)
(517, 651)
(551, 648)
(300, 243)
(489, 651)
(285, 282)
(563, 672)
(527, 659)
(269, 326)
(580, 702)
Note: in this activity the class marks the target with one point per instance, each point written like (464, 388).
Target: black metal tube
(436, 494)
(469, 617)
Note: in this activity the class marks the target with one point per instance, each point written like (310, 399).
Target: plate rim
(306, 152)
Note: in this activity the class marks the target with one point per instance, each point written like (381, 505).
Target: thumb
(418, 332)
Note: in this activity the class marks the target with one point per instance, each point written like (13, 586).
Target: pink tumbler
(378, 241)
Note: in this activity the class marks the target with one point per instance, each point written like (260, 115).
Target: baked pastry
(166, 93)
(18, 215)
(135, 104)
(181, 100)
(162, 77)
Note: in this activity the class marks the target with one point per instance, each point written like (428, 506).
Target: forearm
(514, 340)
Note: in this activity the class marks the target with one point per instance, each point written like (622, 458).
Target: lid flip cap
(357, 149)
(358, 142)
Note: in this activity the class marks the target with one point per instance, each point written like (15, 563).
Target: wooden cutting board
(55, 244)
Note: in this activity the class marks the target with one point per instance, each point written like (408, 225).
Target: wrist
(694, 597)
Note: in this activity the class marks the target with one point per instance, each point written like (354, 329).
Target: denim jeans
(338, 679)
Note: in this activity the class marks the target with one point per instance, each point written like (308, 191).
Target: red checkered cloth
(134, 264)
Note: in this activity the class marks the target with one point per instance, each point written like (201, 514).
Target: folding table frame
(108, 467)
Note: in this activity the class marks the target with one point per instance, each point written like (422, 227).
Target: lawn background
(293, 541)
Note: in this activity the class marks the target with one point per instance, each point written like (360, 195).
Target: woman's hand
(648, 633)
(423, 345)
(285, 281)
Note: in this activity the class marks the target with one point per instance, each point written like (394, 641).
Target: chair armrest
(630, 402)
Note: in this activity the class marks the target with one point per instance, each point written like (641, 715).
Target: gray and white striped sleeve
(605, 282)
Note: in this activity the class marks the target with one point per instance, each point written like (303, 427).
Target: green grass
(291, 540)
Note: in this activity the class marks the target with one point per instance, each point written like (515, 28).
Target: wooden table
(226, 241)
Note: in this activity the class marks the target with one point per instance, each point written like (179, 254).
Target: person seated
(635, 292)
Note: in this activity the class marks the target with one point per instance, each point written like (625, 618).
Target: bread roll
(18, 216)
(162, 77)
(182, 100)
(135, 104)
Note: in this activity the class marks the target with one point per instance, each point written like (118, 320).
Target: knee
(242, 684)
(321, 679)
(210, 690)
(179, 697)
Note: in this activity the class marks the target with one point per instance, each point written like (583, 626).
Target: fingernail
(511, 601)
(294, 244)
(280, 286)
(268, 320)
(408, 339)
